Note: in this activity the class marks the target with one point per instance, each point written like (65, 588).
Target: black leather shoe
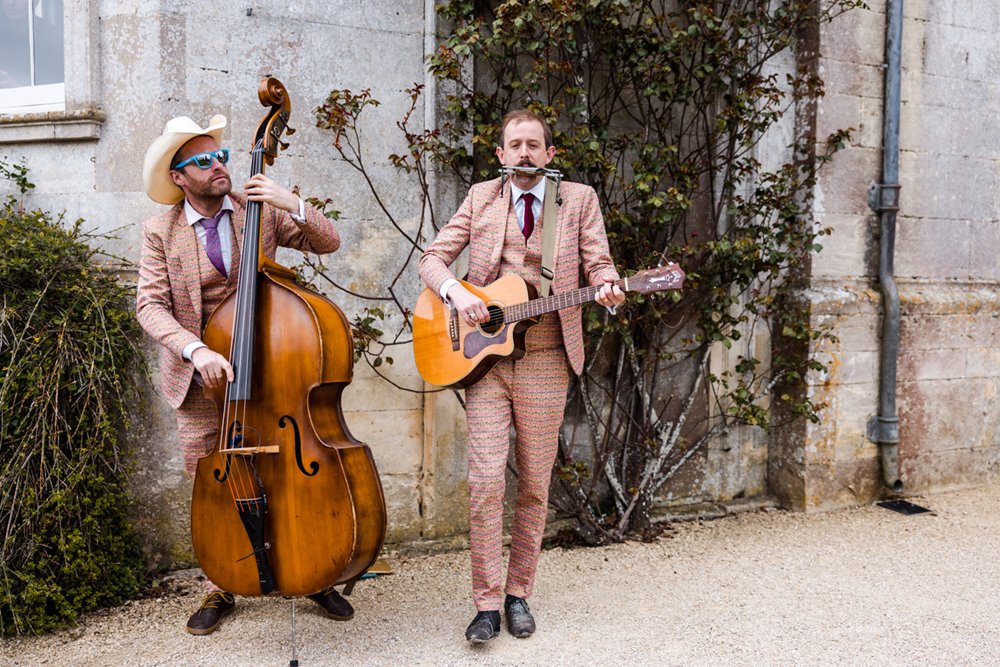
(208, 617)
(334, 604)
(484, 627)
(520, 622)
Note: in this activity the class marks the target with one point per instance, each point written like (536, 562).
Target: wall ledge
(52, 126)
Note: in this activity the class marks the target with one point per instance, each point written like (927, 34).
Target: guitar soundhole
(495, 322)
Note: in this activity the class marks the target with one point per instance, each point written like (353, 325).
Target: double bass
(288, 502)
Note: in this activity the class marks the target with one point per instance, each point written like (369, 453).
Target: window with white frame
(31, 56)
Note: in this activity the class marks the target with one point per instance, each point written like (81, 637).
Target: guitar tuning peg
(284, 145)
(289, 131)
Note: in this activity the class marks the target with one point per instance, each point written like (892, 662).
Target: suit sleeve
(595, 255)
(154, 306)
(447, 246)
(316, 235)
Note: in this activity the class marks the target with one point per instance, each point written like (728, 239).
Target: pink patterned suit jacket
(169, 298)
(581, 247)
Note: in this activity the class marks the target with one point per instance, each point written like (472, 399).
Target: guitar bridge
(453, 330)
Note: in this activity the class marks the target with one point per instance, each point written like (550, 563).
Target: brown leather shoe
(334, 604)
(208, 617)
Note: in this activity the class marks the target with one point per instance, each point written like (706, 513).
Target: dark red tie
(529, 214)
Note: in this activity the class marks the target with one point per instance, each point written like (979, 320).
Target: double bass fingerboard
(241, 355)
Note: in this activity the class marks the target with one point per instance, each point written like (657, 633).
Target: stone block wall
(945, 259)
(134, 64)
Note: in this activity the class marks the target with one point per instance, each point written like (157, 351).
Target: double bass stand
(294, 662)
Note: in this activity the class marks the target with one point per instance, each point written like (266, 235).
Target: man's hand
(470, 307)
(263, 189)
(215, 370)
(610, 295)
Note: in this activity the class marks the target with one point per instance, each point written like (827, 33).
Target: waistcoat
(524, 257)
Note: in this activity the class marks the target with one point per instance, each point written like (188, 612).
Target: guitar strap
(550, 219)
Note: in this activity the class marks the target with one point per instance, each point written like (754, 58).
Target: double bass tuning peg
(289, 130)
(284, 145)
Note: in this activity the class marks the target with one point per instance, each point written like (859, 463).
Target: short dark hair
(176, 158)
(521, 115)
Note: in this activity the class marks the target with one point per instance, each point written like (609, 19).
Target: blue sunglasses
(204, 160)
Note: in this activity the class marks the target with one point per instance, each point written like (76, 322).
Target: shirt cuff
(445, 286)
(300, 217)
(190, 348)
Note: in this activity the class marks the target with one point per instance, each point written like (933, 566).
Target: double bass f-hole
(313, 465)
(236, 441)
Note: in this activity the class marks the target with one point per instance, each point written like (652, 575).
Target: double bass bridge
(235, 446)
(250, 451)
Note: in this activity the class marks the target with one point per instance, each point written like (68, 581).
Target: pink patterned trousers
(529, 394)
(197, 426)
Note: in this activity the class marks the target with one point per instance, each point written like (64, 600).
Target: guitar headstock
(667, 277)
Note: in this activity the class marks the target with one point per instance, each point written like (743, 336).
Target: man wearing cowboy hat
(190, 263)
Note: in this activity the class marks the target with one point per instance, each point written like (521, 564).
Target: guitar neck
(537, 307)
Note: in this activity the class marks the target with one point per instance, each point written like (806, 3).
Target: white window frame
(62, 112)
(35, 98)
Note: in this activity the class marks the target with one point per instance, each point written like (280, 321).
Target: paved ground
(865, 586)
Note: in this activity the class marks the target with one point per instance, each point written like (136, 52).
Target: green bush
(69, 359)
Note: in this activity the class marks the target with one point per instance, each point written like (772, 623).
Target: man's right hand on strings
(215, 370)
(470, 307)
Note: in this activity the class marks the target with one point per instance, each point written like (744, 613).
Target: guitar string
(536, 307)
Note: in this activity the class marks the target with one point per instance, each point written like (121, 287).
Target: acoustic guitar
(450, 352)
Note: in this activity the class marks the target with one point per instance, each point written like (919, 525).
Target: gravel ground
(864, 586)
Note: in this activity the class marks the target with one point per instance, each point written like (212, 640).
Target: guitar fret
(536, 307)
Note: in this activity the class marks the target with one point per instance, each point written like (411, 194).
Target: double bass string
(245, 298)
(241, 486)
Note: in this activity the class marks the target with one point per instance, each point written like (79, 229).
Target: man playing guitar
(500, 222)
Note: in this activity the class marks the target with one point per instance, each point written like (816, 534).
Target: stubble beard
(214, 189)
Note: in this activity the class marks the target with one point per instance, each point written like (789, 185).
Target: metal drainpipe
(884, 199)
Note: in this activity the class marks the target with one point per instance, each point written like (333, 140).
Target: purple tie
(212, 246)
(529, 214)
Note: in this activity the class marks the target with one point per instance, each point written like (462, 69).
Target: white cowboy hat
(156, 167)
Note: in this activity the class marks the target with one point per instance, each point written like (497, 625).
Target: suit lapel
(186, 246)
(495, 217)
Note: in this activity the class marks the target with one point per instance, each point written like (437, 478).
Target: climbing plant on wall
(661, 106)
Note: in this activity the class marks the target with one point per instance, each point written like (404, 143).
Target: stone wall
(147, 61)
(132, 65)
(945, 262)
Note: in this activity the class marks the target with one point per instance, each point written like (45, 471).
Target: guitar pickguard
(475, 342)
